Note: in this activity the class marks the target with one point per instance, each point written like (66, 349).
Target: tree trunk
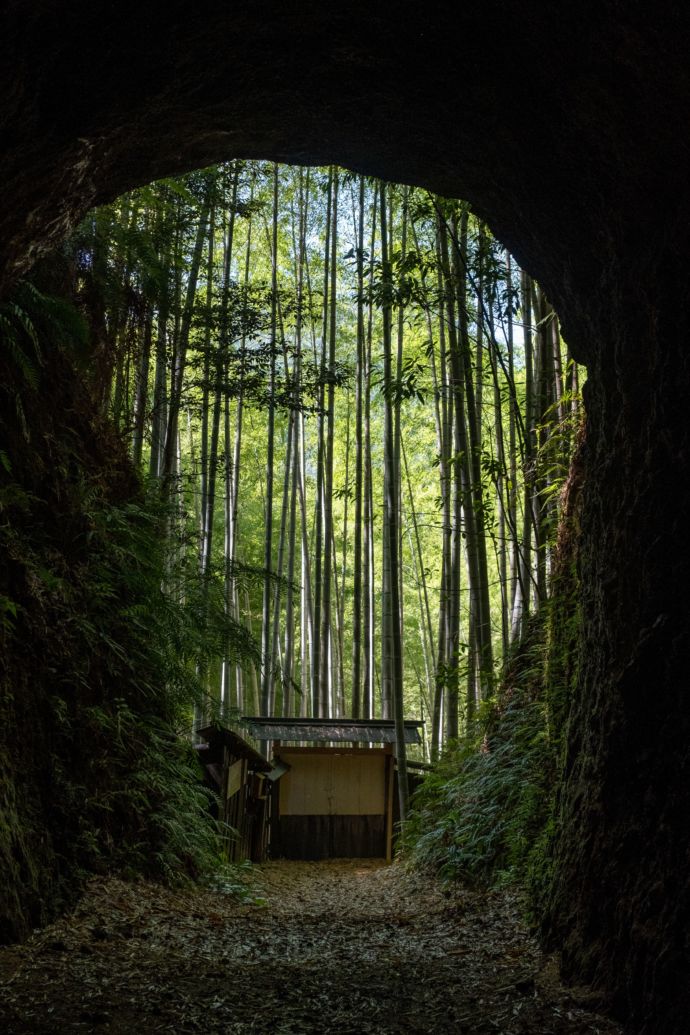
(359, 468)
(392, 670)
(326, 669)
(181, 344)
(266, 639)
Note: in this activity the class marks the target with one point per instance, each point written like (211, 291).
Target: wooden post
(390, 790)
(274, 841)
(242, 821)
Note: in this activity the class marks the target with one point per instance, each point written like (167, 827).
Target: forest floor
(349, 946)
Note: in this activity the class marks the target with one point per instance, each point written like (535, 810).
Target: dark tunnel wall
(567, 130)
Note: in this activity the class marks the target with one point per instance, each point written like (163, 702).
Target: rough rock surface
(566, 126)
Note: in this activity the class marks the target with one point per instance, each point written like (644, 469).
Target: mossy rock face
(44, 518)
(620, 900)
(92, 775)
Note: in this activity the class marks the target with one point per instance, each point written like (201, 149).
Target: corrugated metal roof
(361, 731)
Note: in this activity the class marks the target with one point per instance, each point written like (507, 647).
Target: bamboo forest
(361, 413)
(351, 421)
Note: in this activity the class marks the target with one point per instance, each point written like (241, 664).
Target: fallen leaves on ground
(347, 946)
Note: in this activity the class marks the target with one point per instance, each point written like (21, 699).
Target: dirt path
(349, 947)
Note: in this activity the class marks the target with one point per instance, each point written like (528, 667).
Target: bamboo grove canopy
(360, 731)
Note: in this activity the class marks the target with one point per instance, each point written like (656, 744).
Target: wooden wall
(247, 805)
(333, 803)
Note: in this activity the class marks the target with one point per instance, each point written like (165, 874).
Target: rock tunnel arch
(562, 128)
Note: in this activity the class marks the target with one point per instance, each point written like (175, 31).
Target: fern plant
(480, 814)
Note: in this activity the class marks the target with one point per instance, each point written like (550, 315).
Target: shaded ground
(351, 947)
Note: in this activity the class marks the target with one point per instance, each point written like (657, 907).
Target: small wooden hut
(238, 774)
(334, 791)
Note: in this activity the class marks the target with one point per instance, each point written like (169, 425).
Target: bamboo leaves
(349, 388)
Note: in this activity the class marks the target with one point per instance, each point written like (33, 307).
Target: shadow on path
(347, 946)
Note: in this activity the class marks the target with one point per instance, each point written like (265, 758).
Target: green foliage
(30, 316)
(168, 619)
(478, 814)
(173, 837)
(101, 635)
(487, 813)
(121, 764)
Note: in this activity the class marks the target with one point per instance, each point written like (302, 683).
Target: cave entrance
(586, 148)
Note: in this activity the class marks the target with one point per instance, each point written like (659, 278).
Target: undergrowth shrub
(478, 815)
(487, 813)
(142, 630)
(102, 637)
